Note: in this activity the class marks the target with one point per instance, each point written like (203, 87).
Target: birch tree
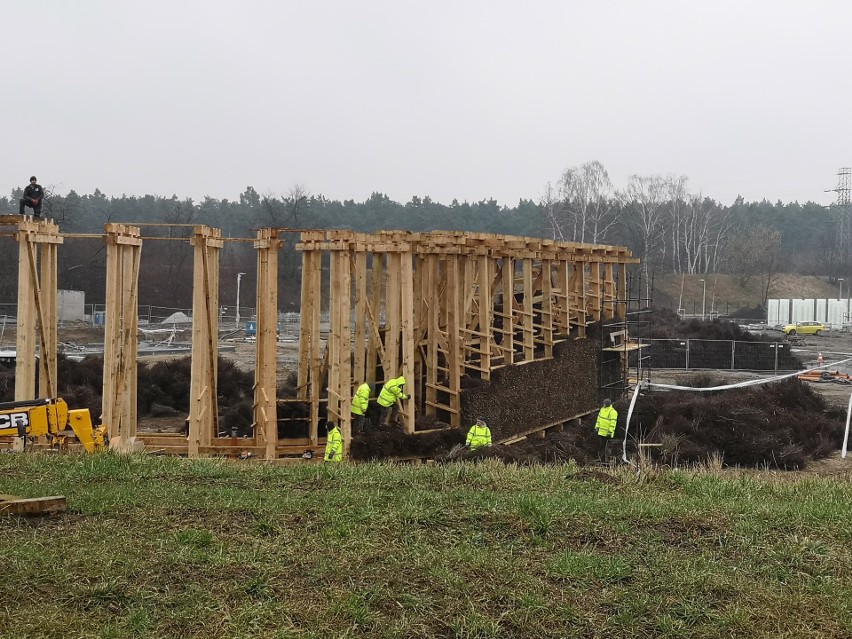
(586, 192)
(644, 202)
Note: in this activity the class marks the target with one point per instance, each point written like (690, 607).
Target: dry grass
(727, 291)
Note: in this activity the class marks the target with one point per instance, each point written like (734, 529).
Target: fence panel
(694, 354)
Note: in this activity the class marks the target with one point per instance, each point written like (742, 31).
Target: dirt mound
(783, 425)
(384, 442)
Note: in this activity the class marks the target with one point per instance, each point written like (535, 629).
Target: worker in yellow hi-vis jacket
(605, 427)
(334, 443)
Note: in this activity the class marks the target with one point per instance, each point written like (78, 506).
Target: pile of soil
(384, 442)
(781, 425)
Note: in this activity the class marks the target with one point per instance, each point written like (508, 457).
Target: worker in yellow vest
(334, 443)
(479, 435)
(391, 392)
(605, 427)
(360, 404)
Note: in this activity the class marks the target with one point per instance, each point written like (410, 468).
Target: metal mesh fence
(722, 355)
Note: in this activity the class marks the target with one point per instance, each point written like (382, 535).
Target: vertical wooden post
(361, 301)
(529, 335)
(124, 246)
(429, 291)
(508, 274)
(36, 321)
(485, 310)
(455, 317)
(406, 283)
(203, 404)
(564, 322)
(316, 365)
(579, 279)
(339, 345)
(621, 292)
(47, 290)
(547, 306)
(375, 305)
(266, 359)
(25, 358)
(392, 312)
(308, 299)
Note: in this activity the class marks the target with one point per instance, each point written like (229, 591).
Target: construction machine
(50, 418)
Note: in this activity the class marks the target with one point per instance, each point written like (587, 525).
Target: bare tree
(644, 203)
(755, 253)
(551, 208)
(676, 192)
(290, 211)
(586, 192)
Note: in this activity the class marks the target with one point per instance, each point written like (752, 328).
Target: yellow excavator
(50, 418)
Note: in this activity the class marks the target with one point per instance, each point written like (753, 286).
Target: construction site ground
(834, 347)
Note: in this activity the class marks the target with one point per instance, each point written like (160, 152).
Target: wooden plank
(308, 297)
(432, 266)
(527, 319)
(485, 314)
(11, 505)
(455, 314)
(344, 385)
(406, 283)
(25, 362)
(373, 309)
(392, 312)
(547, 307)
(361, 301)
(315, 281)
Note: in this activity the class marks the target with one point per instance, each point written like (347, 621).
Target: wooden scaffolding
(435, 307)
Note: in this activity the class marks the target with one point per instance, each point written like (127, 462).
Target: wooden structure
(266, 355)
(37, 259)
(14, 505)
(124, 247)
(433, 307)
(203, 406)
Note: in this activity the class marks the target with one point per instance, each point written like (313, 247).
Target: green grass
(168, 547)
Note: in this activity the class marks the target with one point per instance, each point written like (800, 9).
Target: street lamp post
(840, 281)
(703, 298)
(239, 277)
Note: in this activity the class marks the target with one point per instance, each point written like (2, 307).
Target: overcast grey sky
(463, 99)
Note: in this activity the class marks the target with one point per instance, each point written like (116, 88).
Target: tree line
(670, 227)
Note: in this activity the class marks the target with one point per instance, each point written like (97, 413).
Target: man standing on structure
(334, 443)
(360, 404)
(479, 435)
(391, 392)
(33, 197)
(605, 426)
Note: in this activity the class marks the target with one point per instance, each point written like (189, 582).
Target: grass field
(168, 547)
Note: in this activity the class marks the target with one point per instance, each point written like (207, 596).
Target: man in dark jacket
(33, 197)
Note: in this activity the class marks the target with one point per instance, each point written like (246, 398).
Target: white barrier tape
(751, 382)
(627, 425)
